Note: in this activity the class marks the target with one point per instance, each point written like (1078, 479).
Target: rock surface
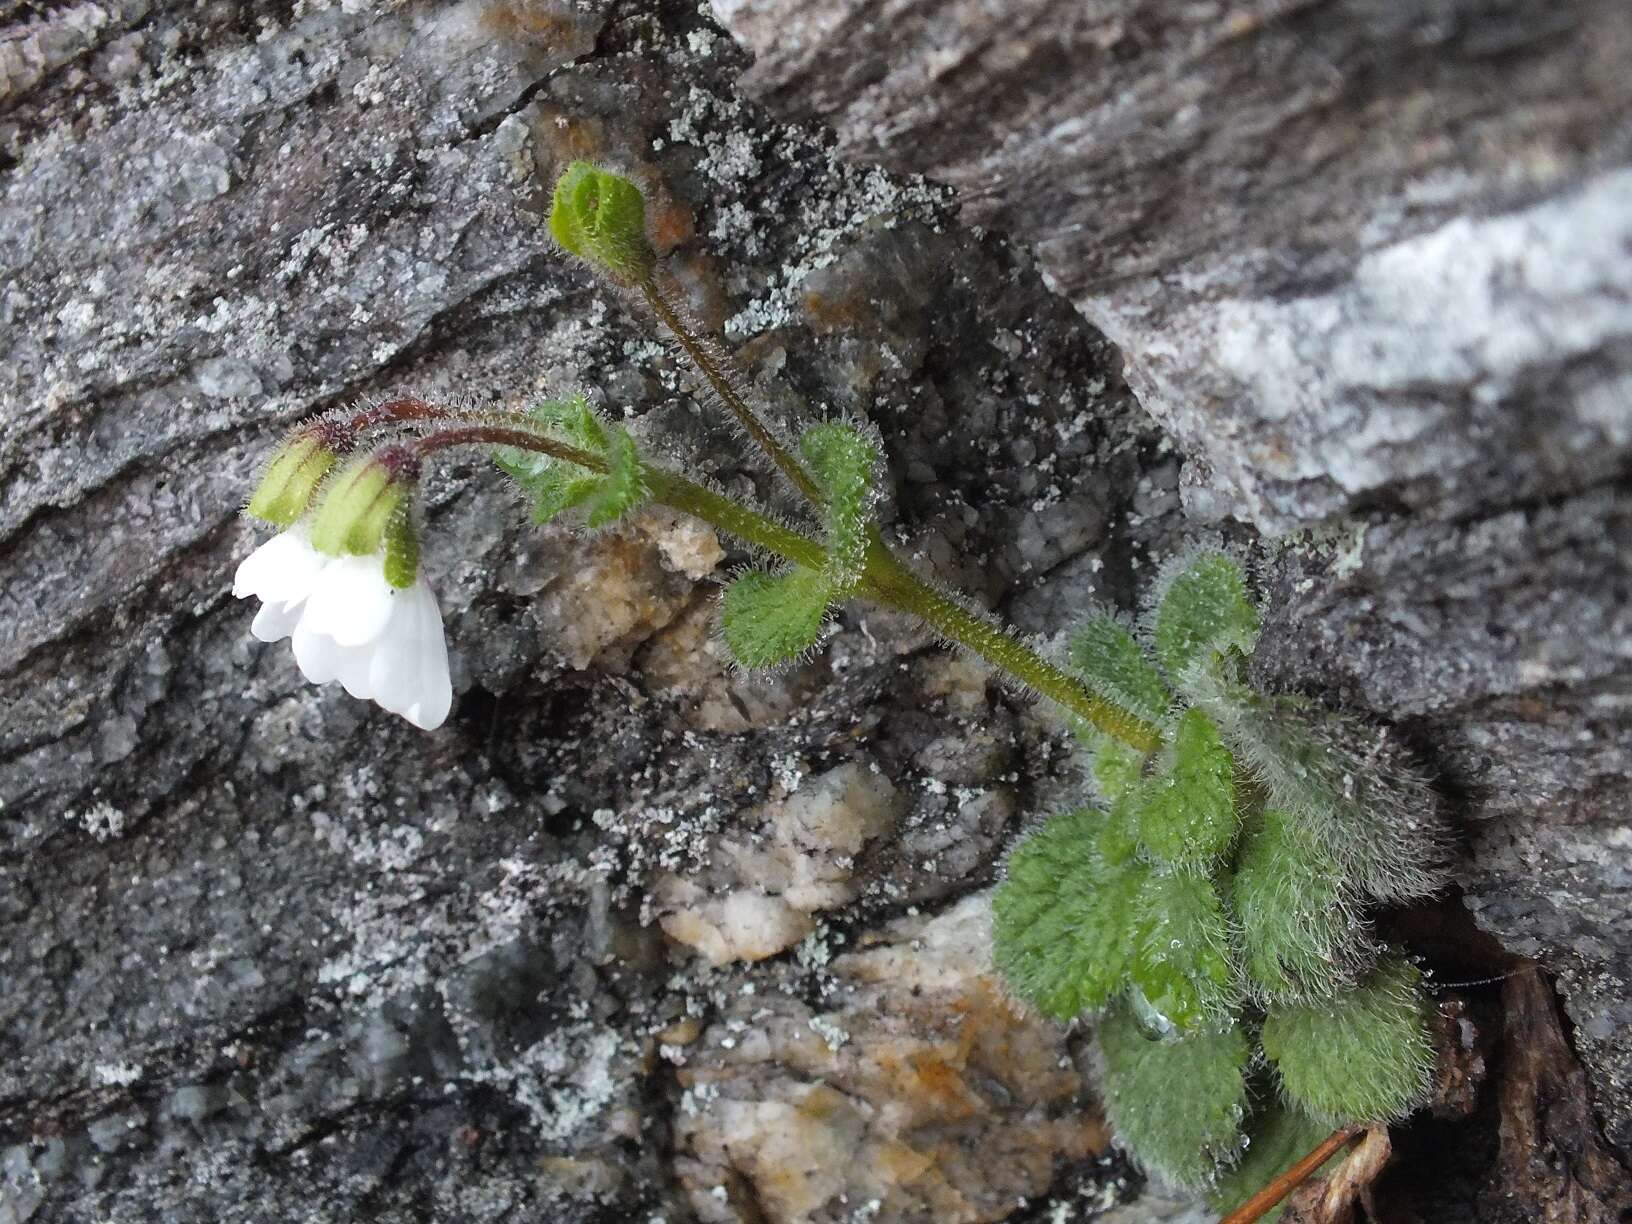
(272, 955)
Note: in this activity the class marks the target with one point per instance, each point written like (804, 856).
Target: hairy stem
(713, 368)
(888, 581)
(884, 578)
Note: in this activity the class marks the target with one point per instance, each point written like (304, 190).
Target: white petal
(281, 570)
(355, 662)
(352, 601)
(276, 621)
(316, 654)
(410, 671)
(395, 670)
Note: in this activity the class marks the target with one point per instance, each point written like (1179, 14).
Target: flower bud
(365, 503)
(296, 469)
(601, 217)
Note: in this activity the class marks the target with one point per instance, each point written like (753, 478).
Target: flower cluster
(343, 583)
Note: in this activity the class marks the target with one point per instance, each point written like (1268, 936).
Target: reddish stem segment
(1267, 1198)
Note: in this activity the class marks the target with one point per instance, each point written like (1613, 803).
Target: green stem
(714, 367)
(888, 581)
(884, 579)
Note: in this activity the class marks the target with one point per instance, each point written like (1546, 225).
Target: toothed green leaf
(1302, 936)
(553, 487)
(1065, 920)
(842, 463)
(771, 618)
(1182, 962)
(573, 421)
(1104, 653)
(1177, 1105)
(556, 486)
(623, 488)
(1361, 1056)
(1205, 608)
(1277, 1139)
(1188, 814)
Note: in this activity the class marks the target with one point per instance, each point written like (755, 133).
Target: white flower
(349, 624)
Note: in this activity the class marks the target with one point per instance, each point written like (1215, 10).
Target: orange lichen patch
(828, 313)
(902, 1163)
(546, 26)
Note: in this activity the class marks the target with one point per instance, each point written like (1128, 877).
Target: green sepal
(1111, 662)
(600, 217)
(770, 618)
(1065, 919)
(1301, 933)
(1188, 812)
(1177, 1105)
(358, 507)
(402, 551)
(290, 483)
(1277, 1138)
(1182, 958)
(842, 461)
(1204, 609)
(1360, 1056)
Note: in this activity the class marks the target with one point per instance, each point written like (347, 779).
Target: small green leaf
(771, 618)
(1361, 1056)
(1302, 935)
(842, 462)
(573, 420)
(1204, 608)
(1104, 653)
(1182, 964)
(1188, 813)
(1117, 768)
(1277, 1139)
(623, 488)
(1119, 834)
(1177, 1105)
(600, 217)
(557, 486)
(1065, 920)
